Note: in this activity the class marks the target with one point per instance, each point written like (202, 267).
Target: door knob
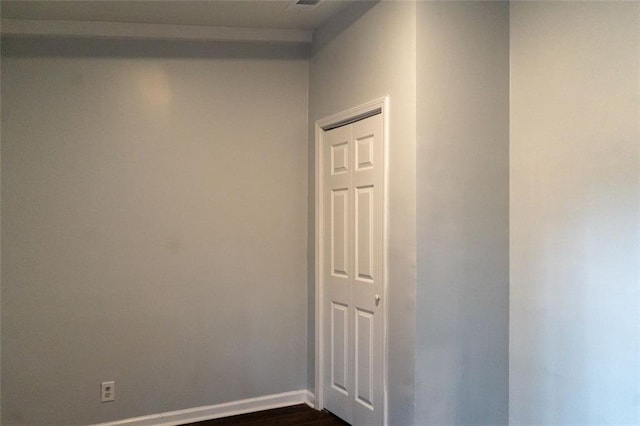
(377, 299)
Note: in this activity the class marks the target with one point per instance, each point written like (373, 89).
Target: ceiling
(279, 14)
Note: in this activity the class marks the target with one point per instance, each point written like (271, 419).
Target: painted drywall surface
(575, 213)
(463, 214)
(154, 233)
(375, 56)
(0, 249)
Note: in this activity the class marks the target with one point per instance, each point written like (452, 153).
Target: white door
(353, 238)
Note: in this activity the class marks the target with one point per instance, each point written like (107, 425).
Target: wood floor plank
(300, 414)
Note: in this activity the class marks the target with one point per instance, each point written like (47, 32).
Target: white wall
(463, 212)
(575, 213)
(357, 58)
(153, 227)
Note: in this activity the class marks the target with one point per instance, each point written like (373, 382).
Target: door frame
(336, 120)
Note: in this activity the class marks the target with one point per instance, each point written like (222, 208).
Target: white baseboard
(311, 399)
(198, 414)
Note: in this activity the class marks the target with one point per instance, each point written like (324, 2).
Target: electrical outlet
(107, 391)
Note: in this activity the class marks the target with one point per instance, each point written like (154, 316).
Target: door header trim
(352, 120)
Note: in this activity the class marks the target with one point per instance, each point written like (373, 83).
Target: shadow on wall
(332, 29)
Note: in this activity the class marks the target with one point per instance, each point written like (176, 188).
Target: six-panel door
(353, 271)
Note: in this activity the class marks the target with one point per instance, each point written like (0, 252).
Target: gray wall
(463, 214)
(145, 186)
(575, 213)
(154, 228)
(1, 123)
(357, 59)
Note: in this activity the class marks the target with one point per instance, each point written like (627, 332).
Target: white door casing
(351, 264)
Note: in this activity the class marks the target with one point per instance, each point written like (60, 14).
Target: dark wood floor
(295, 415)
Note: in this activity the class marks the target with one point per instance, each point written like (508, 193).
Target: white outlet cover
(107, 391)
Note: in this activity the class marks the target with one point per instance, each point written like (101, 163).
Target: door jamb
(321, 125)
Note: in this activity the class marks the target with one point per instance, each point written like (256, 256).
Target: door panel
(340, 348)
(367, 285)
(340, 158)
(337, 272)
(364, 152)
(339, 231)
(364, 234)
(364, 358)
(353, 237)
